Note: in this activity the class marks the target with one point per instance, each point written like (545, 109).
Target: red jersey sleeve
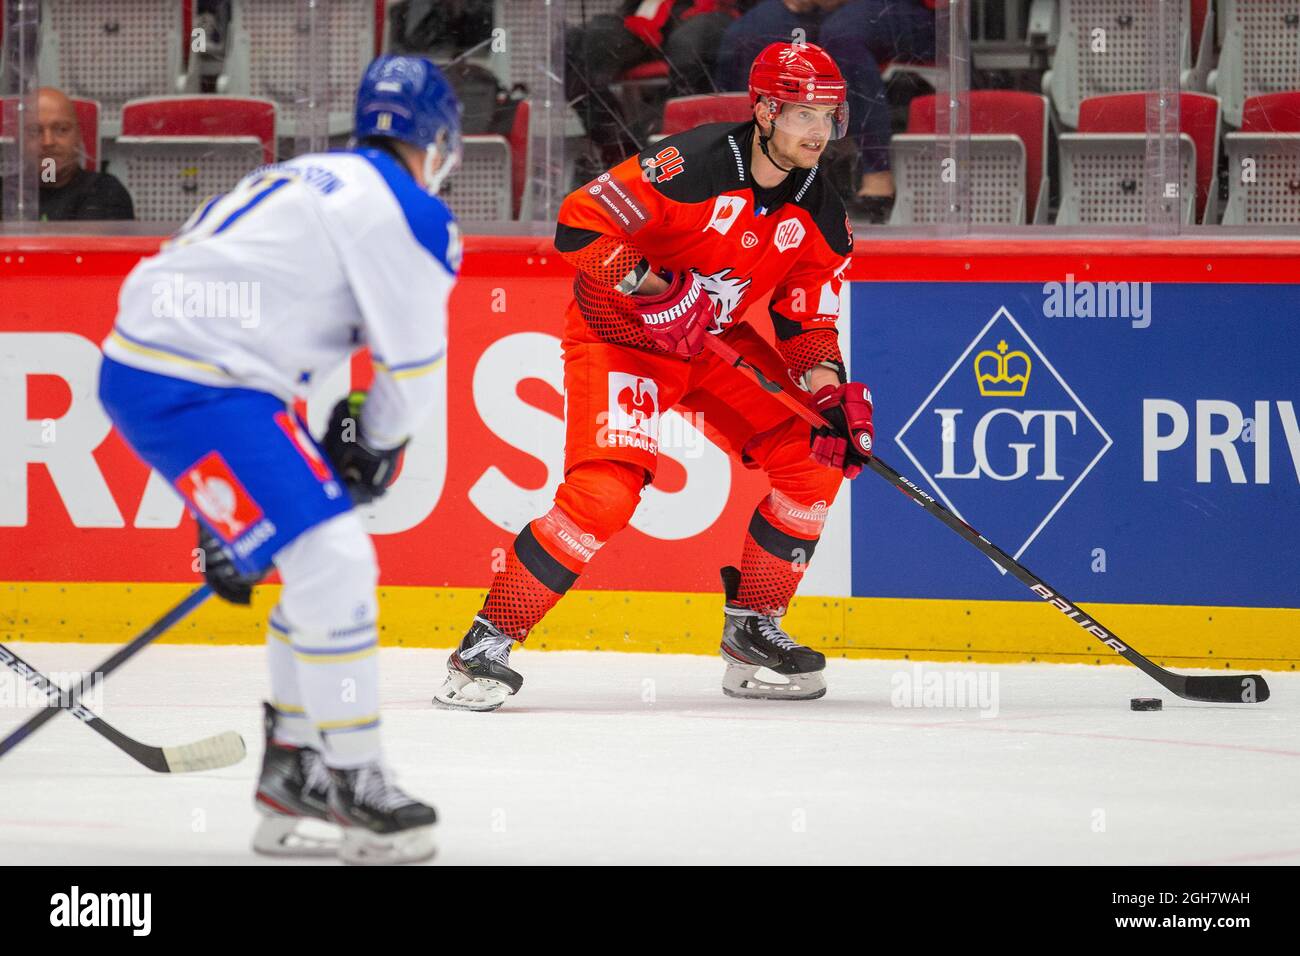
(805, 308)
(597, 222)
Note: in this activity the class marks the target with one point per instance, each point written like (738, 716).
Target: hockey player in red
(672, 245)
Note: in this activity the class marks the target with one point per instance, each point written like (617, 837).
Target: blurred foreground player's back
(262, 292)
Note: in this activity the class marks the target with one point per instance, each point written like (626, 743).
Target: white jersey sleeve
(401, 275)
(276, 283)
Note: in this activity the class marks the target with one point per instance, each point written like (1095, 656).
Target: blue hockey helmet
(407, 98)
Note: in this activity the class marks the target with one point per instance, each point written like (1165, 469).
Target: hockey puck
(1145, 703)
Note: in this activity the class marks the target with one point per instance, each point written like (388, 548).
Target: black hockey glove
(367, 472)
(220, 572)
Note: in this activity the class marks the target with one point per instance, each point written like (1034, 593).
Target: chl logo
(789, 233)
(1003, 435)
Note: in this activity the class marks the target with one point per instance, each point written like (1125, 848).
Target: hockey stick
(1225, 689)
(209, 753)
(220, 751)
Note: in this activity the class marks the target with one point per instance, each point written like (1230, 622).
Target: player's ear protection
(763, 138)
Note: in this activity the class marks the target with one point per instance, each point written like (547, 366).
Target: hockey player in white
(343, 249)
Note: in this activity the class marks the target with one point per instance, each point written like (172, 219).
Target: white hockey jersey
(278, 281)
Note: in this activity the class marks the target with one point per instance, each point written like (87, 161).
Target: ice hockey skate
(753, 643)
(292, 798)
(382, 824)
(478, 673)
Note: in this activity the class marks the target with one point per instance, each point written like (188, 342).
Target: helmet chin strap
(762, 144)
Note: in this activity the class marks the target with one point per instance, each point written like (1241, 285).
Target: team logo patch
(633, 418)
(726, 291)
(788, 234)
(726, 210)
(213, 489)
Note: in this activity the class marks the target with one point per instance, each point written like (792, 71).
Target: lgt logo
(1002, 434)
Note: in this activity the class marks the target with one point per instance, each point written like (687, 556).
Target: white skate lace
(318, 775)
(372, 787)
(495, 647)
(769, 629)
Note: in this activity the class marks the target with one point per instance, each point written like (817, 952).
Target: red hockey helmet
(802, 74)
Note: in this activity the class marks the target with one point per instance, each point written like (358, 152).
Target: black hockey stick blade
(1225, 689)
(70, 700)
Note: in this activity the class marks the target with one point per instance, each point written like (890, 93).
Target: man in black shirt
(67, 190)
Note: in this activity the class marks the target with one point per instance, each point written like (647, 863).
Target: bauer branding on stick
(1145, 703)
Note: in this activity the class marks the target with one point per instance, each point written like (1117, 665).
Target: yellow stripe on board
(682, 623)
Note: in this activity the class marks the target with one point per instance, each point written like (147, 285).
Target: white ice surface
(621, 758)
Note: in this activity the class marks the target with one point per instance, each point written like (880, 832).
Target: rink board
(1194, 571)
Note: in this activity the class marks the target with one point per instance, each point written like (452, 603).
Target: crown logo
(1001, 373)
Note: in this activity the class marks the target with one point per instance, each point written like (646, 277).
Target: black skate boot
(478, 674)
(293, 788)
(381, 823)
(751, 641)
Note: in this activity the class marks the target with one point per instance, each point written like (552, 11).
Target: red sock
(542, 565)
(772, 563)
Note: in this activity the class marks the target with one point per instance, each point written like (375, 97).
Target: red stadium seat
(996, 112)
(203, 116)
(177, 150)
(1079, 71)
(1198, 117)
(687, 112)
(1272, 113)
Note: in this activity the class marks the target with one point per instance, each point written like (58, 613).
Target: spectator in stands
(439, 29)
(859, 34)
(685, 33)
(67, 190)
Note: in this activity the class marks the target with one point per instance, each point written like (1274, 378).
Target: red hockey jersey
(689, 202)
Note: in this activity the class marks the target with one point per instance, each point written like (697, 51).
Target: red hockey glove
(678, 318)
(848, 442)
